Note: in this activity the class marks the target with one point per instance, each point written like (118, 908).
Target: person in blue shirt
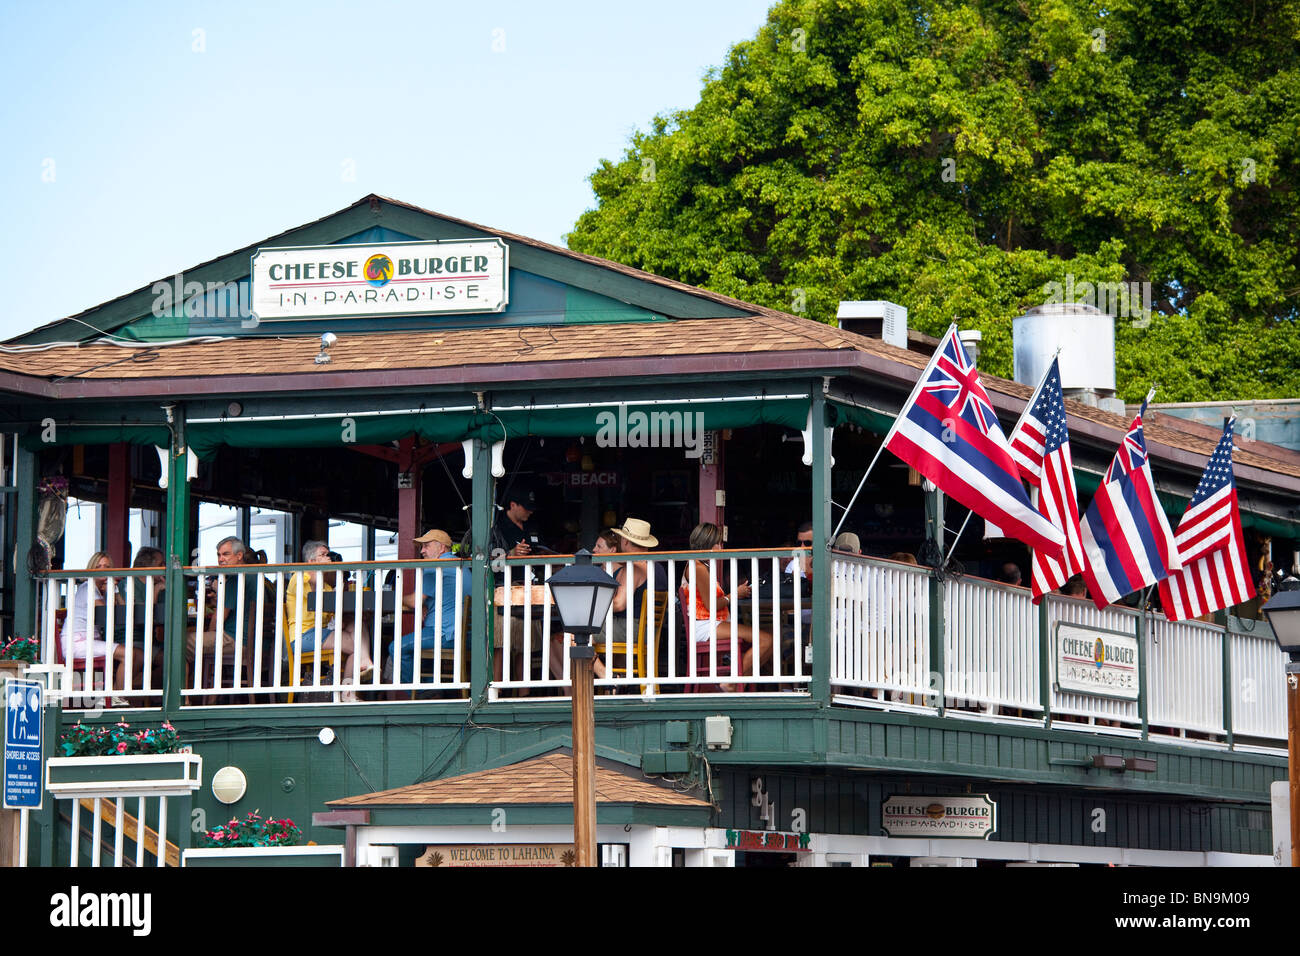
(434, 545)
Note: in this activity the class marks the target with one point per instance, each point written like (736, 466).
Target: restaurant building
(402, 370)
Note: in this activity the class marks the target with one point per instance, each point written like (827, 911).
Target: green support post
(934, 531)
(481, 595)
(178, 555)
(820, 686)
(26, 476)
(46, 819)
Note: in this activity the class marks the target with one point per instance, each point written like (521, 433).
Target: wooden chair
(643, 650)
(448, 654)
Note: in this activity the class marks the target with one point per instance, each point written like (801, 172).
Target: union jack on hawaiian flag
(1127, 543)
(949, 432)
(1216, 572)
(1040, 445)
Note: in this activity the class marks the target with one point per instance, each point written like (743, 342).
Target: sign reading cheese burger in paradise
(1096, 662)
(386, 278)
(967, 816)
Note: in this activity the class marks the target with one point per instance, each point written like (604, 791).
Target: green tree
(958, 157)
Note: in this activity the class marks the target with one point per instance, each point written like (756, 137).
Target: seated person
(218, 643)
(848, 541)
(434, 545)
(514, 531)
(317, 629)
(704, 628)
(633, 538)
(155, 593)
(82, 639)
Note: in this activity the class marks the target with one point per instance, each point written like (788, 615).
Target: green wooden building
(403, 370)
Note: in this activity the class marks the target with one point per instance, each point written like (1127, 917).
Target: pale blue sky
(136, 147)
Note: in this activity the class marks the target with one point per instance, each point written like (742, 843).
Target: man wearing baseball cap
(514, 532)
(434, 545)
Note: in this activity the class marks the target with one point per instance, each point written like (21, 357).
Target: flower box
(154, 775)
(264, 856)
(10, 669)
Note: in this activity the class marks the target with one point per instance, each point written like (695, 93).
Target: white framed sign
(380, 279)
(968, 816)
(1093, 661)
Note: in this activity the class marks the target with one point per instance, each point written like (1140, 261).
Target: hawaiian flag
(1127, 543)
(1040, 445)
(1215, 570)
(949, 432)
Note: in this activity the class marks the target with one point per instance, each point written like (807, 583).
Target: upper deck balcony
(878, 634)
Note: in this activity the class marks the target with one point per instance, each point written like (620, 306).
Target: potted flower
(115, 761)
(16, 653)
(259, 841)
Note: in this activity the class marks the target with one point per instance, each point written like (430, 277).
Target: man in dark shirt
(514, 532)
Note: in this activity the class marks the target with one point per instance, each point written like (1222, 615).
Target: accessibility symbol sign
(22, 766)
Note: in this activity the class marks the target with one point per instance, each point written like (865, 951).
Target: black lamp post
(1283, 613)
(583, 594)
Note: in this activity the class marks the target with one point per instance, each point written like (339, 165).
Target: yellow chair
(308, 657)
(642, 650)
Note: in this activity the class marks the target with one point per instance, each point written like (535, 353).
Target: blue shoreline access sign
(22, 780)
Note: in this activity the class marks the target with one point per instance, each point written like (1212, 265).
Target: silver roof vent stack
(1086, 337)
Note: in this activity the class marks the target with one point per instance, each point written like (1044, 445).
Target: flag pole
(925, 373)
(1028, 405)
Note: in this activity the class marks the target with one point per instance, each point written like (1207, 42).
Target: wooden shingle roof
(543, 780)
(377, 351)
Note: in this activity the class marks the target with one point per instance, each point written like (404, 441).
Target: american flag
(1215, 570)
(1127, 543)
(949, 432)
(1040, 445)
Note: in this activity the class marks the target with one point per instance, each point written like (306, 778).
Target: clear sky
(140, 139)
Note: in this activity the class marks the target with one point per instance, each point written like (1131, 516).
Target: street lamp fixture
(1283, 614)
(582, 595)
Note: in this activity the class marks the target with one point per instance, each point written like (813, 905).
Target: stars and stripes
(1215, 571)
(1040, 445)
(1126, 539)
(948, 431)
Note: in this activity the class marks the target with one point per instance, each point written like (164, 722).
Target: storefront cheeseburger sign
(386, 278)
(1096, 662)
(971, 816)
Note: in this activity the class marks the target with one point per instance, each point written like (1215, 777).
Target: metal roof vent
(1086, 338)
(876, 319)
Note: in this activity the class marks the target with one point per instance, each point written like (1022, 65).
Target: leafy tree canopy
(960, 157)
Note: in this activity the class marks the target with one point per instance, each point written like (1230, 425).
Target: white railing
(1184, 676)
(1258, 685)
(260, 613)
(991, 646)
(649, 645)
(1083, 612)
(880, 620)
(119, 620)
(120, 811)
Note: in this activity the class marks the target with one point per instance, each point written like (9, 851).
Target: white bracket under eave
(498, 458)
(807, 442)
(191, 464)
